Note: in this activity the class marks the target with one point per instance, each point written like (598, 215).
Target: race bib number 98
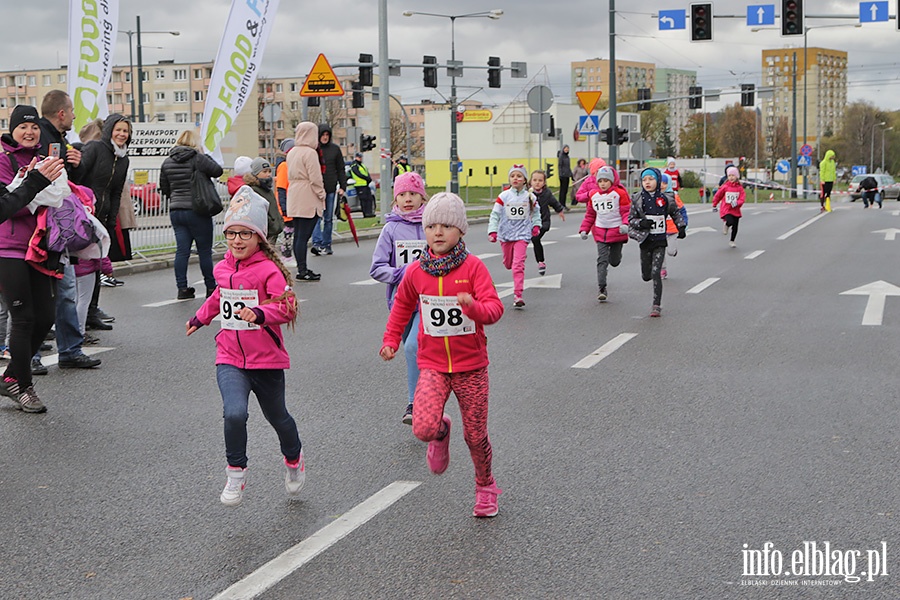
(407, 251)
(231, 303)
(442, 316)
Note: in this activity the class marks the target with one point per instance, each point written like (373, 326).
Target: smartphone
(54, 151)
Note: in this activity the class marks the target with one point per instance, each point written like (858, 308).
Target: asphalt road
(758, 409)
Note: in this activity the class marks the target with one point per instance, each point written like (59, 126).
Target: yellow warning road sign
(588, 100)
(321, 80)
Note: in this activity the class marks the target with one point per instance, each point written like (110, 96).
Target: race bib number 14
(231, 302)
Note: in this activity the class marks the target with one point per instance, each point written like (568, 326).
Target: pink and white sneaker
(486, 504)
(438, 454)
(234, 486)
(294, 475)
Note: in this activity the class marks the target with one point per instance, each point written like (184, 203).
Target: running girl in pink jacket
(456, 298)
(254, 299)
(730, 198)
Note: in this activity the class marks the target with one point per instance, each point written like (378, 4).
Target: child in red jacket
(730, 198)
(457, 299)
(606, 217)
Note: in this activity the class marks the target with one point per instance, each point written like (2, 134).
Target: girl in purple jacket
(402, 242)
(254, 298)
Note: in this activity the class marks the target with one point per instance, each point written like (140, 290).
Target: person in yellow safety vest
(827, 175)
(361, 181)
(400, 167)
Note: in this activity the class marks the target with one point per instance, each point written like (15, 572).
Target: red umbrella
(345, 209)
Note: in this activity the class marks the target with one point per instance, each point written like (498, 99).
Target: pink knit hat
(732, 169)
(595, 166)
(409, 182)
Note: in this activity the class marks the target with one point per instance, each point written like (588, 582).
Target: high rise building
(593, 75)
(674, 83)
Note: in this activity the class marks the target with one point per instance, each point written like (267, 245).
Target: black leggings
(563, 189)
(303, 229)
(826, 191)
(652, 256)
(538, 247)
(733, 222)
(30, 299)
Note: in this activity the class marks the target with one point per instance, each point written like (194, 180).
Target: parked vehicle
(146, 198)
(890, 189)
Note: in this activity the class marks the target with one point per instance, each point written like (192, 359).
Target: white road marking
(369, 281)
(693, 230)
(292, 559)
(547, 282)
(802, 226)
(574, 235)
(889, 234)
(754, 254)
(166, 302)
(603, 351)
(702, 285)
(487, 255)
(53, 359)
(877, 291)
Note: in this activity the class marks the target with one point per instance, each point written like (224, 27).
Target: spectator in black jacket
(57, 116)
(335, 180)
(175, 182)
(868, 189)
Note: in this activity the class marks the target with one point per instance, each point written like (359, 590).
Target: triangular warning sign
(321, 80)
(588, 100)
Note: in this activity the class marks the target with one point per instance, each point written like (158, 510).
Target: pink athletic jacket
(261, 348)
(730, 191)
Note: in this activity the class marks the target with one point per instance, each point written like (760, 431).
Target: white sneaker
(234, 487)
(732, 244)
(725, 229)
(294, 477)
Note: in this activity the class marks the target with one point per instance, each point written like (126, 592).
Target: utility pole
(794, 134)
(613, 145)
(384, 109)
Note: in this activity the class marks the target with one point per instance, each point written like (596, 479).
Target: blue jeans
(321, 237)
(268, 384)
(189, 228)
(411, 351)
(68, 332)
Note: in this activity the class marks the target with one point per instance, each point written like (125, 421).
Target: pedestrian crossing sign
(588, 125)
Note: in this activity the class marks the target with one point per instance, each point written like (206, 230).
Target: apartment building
(823, 76)
(674, 83)
(593, 75)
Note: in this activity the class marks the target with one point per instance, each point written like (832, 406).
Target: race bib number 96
(231, 302)
(516, 212)
(407, 251)
(442, 316)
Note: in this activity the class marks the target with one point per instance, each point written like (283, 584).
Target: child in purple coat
(402, 242)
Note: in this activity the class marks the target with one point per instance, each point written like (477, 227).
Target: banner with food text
(236, 67)
(92, 39)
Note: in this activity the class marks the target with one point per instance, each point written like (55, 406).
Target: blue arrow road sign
(858, 170)
(674, 19)
(760, 14)
(803, 161)
(873, 12)
(589, 124)
(783, 166)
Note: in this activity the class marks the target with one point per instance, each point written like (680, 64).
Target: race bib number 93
(231, 302)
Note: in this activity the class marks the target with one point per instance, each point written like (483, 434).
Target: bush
(689, 179)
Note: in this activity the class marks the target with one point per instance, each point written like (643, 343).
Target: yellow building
(593, 75)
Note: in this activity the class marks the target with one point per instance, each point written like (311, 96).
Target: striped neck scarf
(438, 266)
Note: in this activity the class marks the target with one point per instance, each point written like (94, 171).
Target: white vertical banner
(236, 67)
(92, 39)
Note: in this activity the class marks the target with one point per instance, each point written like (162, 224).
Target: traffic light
(621, 135)
(605, 135)
(493, 72)
(792, 17)
(359, 96)
(747, 95)
(701, 22)
(696, 99)
(551, 132)
(366, 143)
(365, 70)
(312, 101)
(429, 74)
(643, 94)
(549, 170)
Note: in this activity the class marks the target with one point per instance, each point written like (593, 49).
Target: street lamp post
(129, 33)
(883, 131)
(454, 155)
(872, 146)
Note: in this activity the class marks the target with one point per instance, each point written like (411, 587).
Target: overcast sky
(547, 35)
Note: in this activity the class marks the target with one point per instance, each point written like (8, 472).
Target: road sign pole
(613, 148)
(384, 109)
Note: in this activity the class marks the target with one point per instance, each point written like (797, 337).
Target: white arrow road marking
(693, 230)
(487, 255)
(603, 351)
(754, 254)
(802, 226)
(369, 281)
(895, 213)
(52, 359)
(702, 285)
(877, 291)
(889, 234)
(574, 235)
(548, 282)
(293, 558)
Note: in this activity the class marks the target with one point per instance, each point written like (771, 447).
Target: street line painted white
(292, 559)
(802, 226)
(487, 255)
(553, 282)
(754, 254)
(369, 281)
(693, 230)
(895, 213)
(166, 302)
(603, 351)
(877, 291)
(574, 235)
(702, 285)
(53, 359)
(548, 243)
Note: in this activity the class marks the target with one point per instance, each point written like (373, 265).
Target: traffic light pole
(454, 156)
(613, 147)
(384, 109)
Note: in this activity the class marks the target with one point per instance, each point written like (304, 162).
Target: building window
(181, 118)
(180, 74)
(127, 76)
(46, 80)
(295, 105)
(180, 96)
(4, 123)
(198, 117)
(278, 88)
(3, 103)
(145, 98)
(61, 78)
(160, 96)
(109, 99)
(32, 100)
(161, 117)
(198, 73)
(279, 125)
(2, 81)
(293, 87)
(118, 98)
(20, 80)
(198, 96)
(32, 80)
(145, 76)
(160, 73)
(128, 98)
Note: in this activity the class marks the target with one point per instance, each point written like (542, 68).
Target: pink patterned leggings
(471, 389)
